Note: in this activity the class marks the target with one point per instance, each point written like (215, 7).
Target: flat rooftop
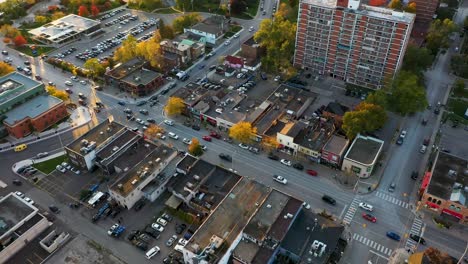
(13, 211)
(104, 131)
(32, 108)
(336, 144)
(120, 139)
(364, 149)
(198, 171)
(64, 28)
(280, 227)
(231, 216)
(190, 93)
(449, 178)
(213, 25)
(316, 135)
(304, 231)
(146, 157)
(124, 69)
(142, 76)
(14, 84)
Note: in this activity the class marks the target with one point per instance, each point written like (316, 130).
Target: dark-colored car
(328, 199)
(142, 245)
(273, 156)
(399, 141)
(139, 204)
(133, 234)
(414, 175)
(116, 211)
(196, 127)
(180, 228)
(298, 166)
(393, 235)
(141, 103)
(225, 157)
(17, 182)
(418, 239)
(121, 103)
(54, 209)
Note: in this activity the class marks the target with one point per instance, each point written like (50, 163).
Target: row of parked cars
(111, 14)
(65, 53)
(63, 167)
(123, 20)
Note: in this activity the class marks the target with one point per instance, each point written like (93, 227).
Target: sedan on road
(418, 239)
(243, 146)
(366, 206)
(298, 166)
(393, 235)
(329, 199)
(187, 141)
(215, 135)
(280, 179)
(312, 172)
(206, 138)
(369, 217)
(286, 162)
(225, 157)
(68, 83)
(273, 156)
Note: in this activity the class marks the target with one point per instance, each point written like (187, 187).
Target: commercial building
(20, 224)
(178, 54)
(333, 151)
(209, 30)
(27, 107)
(65, 29)
(362, 156)
(445, 188)
(251, 51)
(82, 151)
(134, 78)
(348, 40)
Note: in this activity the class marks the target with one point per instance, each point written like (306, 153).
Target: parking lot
(115, 28)
(451, 137)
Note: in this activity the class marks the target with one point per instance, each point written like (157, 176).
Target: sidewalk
(79, 117)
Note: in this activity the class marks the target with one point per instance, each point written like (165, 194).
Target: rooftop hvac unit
(268, 206)
(196, 177)
(114, 149)
(189, 185)
(101, 133)
(84, 142)
(157, 160)
(134, 181)
(92, 145)
(84, 150)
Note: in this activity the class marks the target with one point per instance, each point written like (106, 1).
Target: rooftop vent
(268, 206)
(120, 186)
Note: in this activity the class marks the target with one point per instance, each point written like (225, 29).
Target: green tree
(379, 97)
(365, 117)
(438, 36)
(94, 67)
(277, 36)
(459, 87)
(243, 132)
(127, 50)
(166, 31)
(459, 65)
(465, 23)
(408, 95)
(185, 21)
(417, 59)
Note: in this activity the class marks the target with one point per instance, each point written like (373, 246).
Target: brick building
(347, 40)
(27, 107)
(425, 10)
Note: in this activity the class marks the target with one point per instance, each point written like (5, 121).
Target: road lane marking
(342, 212)
(375, 253)
(372, 244)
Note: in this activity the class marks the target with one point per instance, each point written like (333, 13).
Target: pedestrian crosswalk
(351, 211)
(364, 240)
(415, 230)
(392, 199)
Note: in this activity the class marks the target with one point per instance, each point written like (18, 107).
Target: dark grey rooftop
(304, 231)
(336, 144)
(124, 69)
(212, 25)
(32, 108)
(449, 178)
(364, 149)
(316, 135)
(245, 251)
(336, 108)
(106, 130)
(186, 162)
(266, 215)
(196, 174)
(280, 227)
(292, 129)
(251, 42)
(121, 138)
(142, 76)
(14, 84)
(12, 212)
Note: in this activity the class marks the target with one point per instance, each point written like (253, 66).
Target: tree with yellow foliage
(195, 148)
(243, 132)
(174, 106)
(127, 50)
(395, 4)
(150, 50)
(269, 143)
(153, 131)
(5, 68)
(411, 7)
(53, 91)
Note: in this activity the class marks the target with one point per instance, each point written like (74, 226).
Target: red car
(369, 217)
(207, 138)
(215, 135)
(312, 172)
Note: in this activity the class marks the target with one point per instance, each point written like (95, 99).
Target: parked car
(60, 168)
(298, 166)
(366, 206)
(206, 138)
(19, 194)
(54, 209)
(173, 135)
(215, 135)
(273, 156)
(393, 235)
(161, 221)
(225, 157)
(286, 162)
(329, 199)
(369, 217)
(68, 83)
(196, 127)
(312, 172)
(414, 175)
(399, 141)
(180, 228)
(157, 227)
(243, 146)
(17, 182)
(167, 217)
(254, 150)
(423, 149)
(139, 204)
(280, 179)
(152, 252)
(169, 122)
(42, 155)
(187, 141)
(171, 240)
(183, 242)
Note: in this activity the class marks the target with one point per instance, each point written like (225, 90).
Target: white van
(152, 252)
(179, 248)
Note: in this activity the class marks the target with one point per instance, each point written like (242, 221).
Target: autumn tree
(277, 36)
(151, 51)
(94, 10)
(243, 132)
(185, 21)
(395, 4)
(5, 68)
(410, 7)
(9, 31)
(83, 11)
(438, 36)
(19, 40)
(195, 148)
(57, 15)
(94, 67)
(127, 50)
(436, 256)
(270, 143)
(407, 95)
(365, 117)
(53, 91)
(174, 106)
(153, 131)
(41, 19)
(166, 31)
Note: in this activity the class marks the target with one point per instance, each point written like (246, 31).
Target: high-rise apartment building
(345, 39)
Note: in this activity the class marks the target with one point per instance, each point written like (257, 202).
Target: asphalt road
(393, 211)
